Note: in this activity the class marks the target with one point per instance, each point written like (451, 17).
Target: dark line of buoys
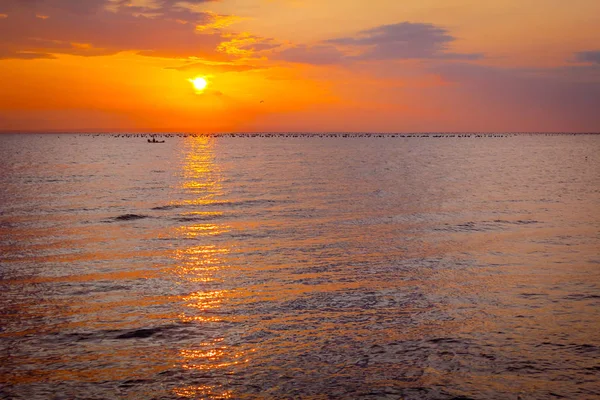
(436, 135)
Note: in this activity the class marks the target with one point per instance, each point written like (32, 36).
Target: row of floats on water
(154, 137)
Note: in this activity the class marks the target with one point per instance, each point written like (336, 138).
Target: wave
(130, 217)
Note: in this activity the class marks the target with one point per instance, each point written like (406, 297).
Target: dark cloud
(588, 56)
(100, 27)
(400, 41)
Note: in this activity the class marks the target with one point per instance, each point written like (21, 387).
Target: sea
(300, 266)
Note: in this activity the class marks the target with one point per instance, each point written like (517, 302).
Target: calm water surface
(316, 268)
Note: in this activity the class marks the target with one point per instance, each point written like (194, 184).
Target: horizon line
(141, 132)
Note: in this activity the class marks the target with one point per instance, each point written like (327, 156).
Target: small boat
(155, 141)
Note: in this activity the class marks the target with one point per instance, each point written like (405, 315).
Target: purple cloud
(588, 56)
(400, 41)
(403, 41)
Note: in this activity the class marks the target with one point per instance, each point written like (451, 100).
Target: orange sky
(300, 65)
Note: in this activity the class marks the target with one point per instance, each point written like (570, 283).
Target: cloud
(588, 56)
(46, 7)
(45, 48)
(260, 45)
(216, 21)
(23, 55)
(316, 55)
(245, 44)
(401, 41)
(162, 28)
(404, 40)
(212, 68)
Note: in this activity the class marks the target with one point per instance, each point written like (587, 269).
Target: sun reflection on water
(199, 263)
(200, 173)
(205, 300)
(200, 267)
(203, 391)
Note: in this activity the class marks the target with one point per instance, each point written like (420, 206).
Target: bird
(262, 101)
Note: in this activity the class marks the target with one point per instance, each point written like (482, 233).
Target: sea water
(295, 266)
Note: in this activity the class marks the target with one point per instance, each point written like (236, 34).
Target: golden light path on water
(202, 265)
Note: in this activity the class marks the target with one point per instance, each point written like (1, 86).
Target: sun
(199, 83)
